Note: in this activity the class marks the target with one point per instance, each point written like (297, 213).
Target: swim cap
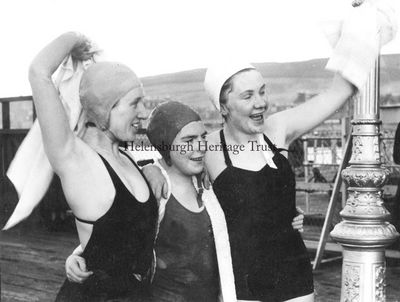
(102, 85)
(217, 75)
(165, 122)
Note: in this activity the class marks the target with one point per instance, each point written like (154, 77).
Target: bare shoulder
(275, 129)
(80, 163)
(76, 159)
(86, 183)
(213, 137)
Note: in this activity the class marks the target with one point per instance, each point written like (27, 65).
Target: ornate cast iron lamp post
(365, 231)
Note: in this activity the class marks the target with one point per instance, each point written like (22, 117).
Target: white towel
(358, 38)
(30, 170)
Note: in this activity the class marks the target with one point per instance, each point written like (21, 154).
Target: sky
(163, 36)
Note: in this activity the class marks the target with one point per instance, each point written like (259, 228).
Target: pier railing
(315, 159)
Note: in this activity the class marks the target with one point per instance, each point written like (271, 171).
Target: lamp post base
(363, 275)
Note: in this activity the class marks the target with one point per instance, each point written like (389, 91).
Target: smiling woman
(127, 115)
(192, 247)
(114, 209)
(190, 262)
(256, 187)
(248, 100)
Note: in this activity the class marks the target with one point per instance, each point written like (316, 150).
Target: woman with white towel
(115, 211)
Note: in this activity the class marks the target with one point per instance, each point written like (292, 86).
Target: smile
(198, 159)
(136, 125)
(257, 117)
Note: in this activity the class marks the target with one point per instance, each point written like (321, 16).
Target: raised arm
(58, 139)
(296, 121)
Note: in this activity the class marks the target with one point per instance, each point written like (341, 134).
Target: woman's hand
(298, 221)
(75, 268)
(83, 49)
(157, 181)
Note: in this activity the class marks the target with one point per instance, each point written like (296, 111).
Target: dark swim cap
(166, 120)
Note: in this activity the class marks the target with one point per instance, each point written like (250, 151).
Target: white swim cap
(217, 75)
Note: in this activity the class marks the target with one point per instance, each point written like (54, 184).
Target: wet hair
(227, 88)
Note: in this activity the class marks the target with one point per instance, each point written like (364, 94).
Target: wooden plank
(330, 246)
(13, 293)
(334, 247)
(14, 261)
(52, 273)
(16, 99)
(331, 259)
(34, 256)
(313, 187)
(30, 283)
(392, 254)
(5, 110)
(32, 264)
(38, 237)
(30, 280)
(32, 252)
(332, 204)
(13, 131)
(37, 241)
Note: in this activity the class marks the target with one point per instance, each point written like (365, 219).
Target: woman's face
(187, 155)
(126, 116)
(247, 102)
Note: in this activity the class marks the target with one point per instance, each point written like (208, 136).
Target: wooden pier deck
(32, 268)
(32, 264)
(32, 259)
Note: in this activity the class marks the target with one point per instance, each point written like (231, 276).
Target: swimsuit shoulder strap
(113, 177)
(272, 146)
(138, 168)
(84, 221)
(228, 161)
(130, 159)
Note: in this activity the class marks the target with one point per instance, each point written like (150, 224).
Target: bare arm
(157, 181)
(301, 119)
(58, 139)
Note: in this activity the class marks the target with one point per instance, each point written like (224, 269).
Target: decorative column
(365, 231)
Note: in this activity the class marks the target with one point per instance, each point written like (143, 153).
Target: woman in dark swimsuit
(256, 187)
(191, 265)
(115, 211)
(192, 248)
(119, 261)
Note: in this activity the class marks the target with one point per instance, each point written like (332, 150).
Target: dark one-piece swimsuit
(270, 260)
(185, 245)
(120, 249)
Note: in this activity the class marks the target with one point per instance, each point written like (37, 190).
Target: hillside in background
(284, 81)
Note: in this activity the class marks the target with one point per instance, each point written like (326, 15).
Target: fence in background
(314, 158)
